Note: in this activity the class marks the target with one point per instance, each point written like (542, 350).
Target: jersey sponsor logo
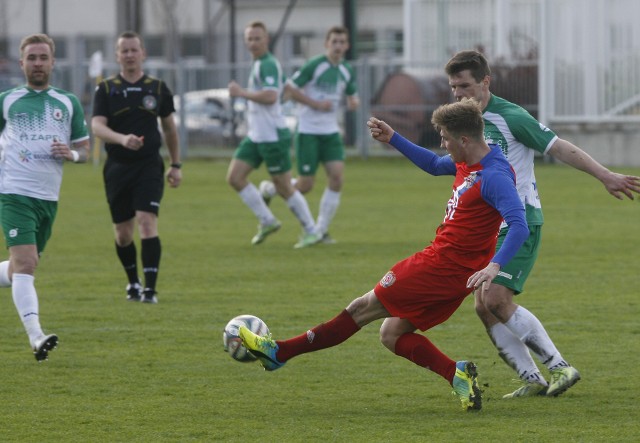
(388, 279)
(505, 275)
(270, 80)
(149, 102)
(38, 137)
(543, 127)
(26, 156)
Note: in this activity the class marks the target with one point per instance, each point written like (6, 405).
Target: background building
(575, 64)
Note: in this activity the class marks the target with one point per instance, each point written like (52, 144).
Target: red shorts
(425, 289)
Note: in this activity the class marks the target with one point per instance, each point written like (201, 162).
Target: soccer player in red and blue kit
(424, 290)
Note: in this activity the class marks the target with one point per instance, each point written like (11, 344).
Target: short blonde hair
(37, 38)
(460, 118)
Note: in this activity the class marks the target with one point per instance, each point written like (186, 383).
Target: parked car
(210, 117)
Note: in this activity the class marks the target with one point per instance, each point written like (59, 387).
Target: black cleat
(43, 345)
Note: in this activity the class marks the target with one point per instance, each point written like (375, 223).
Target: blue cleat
(263, 348)
(465, 386)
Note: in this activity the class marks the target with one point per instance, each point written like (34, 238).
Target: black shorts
(132, 187)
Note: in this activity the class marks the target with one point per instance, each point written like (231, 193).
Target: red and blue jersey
(484, 194)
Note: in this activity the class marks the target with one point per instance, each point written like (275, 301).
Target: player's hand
(380, 130)
(619, 185)
(61, 150)
(133, 142)
(323, 106)
(174, 177)
(484, 277)
(235, 90)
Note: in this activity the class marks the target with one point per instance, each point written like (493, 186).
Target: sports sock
(128, 258)
(325, 335)
(252, 198)
(328, 206)
(515, 353)
(25, 299)
(300, 208)
(528, 328)
(419, 349)
(151, 252)
(5, 281)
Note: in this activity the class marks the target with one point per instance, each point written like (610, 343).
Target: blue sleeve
(498, 189)
(422, 157)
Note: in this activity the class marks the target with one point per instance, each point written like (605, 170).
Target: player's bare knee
(304, 185)
(357, 306)
(388, 338)
(366, 308)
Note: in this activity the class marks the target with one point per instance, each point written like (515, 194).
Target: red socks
(323, 336)
(419, 349)
(414, 347)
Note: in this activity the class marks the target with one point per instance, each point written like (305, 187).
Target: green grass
(131, 372)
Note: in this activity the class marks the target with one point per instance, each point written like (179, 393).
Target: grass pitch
(130, 372)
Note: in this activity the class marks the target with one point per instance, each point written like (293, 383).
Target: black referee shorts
(132, 187)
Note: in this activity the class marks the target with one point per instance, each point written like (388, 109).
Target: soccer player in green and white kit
(514, 330)
(268, 141)
(319, 87)
(41, 127)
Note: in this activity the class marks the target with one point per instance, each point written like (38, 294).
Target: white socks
(525, 326)
(300, 208)
(5, 281)
(328, 206)
(26, 301)
(515, 353)
(252, 198)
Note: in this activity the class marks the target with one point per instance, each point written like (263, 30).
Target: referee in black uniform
(125, 116)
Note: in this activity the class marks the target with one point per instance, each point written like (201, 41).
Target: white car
(210, 114)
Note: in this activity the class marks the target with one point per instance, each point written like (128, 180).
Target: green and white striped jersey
(519, 135)
(265, 120)
(29, 123)
(322, 80)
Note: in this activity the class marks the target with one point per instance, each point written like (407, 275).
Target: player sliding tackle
(425, 289)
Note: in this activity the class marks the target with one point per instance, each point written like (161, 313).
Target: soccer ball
(267, 189)
(233, 343)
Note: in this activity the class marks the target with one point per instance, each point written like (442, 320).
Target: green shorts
(313, 149)
(516, 272)
(276, 155)
(27, 220)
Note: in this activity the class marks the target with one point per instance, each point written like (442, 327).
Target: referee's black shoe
(149, 296)
(134, 292)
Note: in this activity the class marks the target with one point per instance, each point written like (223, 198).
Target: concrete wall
(612, 144)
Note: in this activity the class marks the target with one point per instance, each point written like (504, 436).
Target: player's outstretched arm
(618, 185)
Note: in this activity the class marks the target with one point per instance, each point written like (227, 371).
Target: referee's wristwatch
(176, 165)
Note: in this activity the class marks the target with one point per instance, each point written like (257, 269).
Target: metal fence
(565, 61)
(210, 125)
